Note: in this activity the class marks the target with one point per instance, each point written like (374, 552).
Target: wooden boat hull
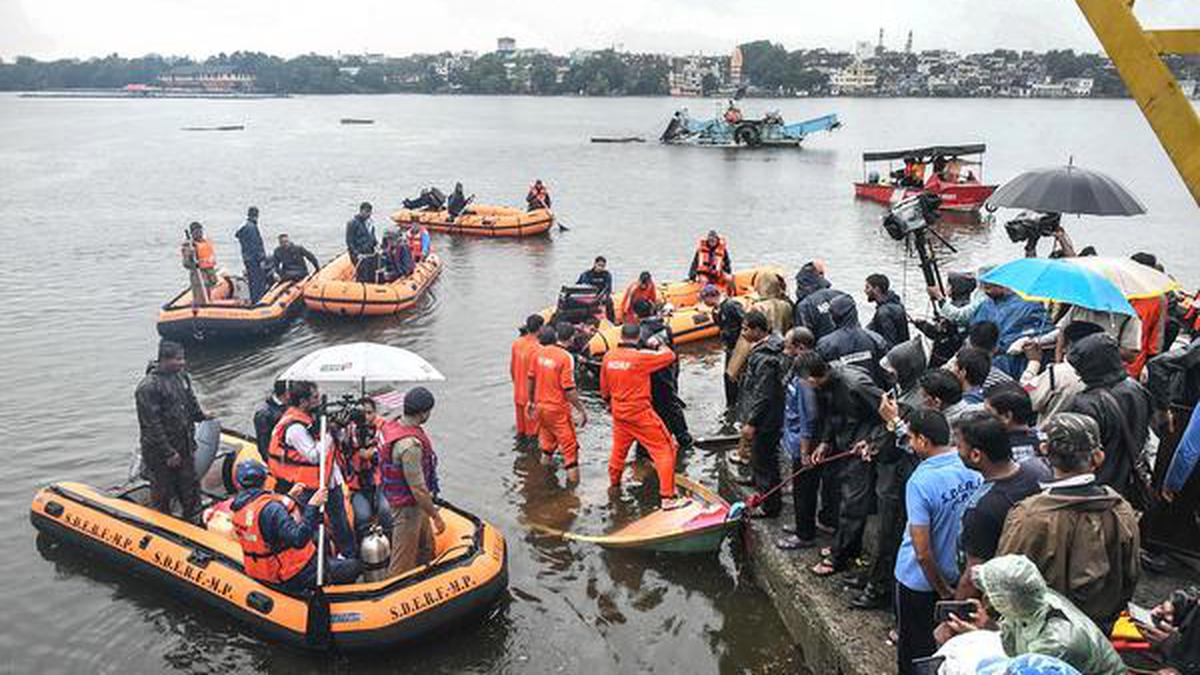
(225, 318)
(696, 528)
(333, 290)
(955, 196)
(468, 576)
(482, 220)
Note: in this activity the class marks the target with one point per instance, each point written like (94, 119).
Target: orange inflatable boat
(690, 321)
(225, 316)
(482, 220)
(333, 290)
(469, 572)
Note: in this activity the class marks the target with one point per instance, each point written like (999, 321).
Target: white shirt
(297, 436)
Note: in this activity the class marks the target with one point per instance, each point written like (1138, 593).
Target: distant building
(857, 78)
(863, 50)
(207, 78)
(735, 67)
(1079, 87)
(506, 45)
(686, 77)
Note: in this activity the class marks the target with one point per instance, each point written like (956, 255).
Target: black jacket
(265, 419)
(456, 203)
(808, 281)
(890, 320)
(851, 344)
(1120, 406)
(761, 391)
(1183, 649)
(729, 317)
(853, 409)
(360, 239)
(289, 261)
(167, 412)
(598, 280)
(1173, 378)
(813, 311)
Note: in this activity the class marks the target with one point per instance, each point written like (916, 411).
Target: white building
(506, 45)
(857, 78)
(1080, 87)
(687, 75)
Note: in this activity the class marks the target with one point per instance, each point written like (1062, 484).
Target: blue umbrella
(1043, 279)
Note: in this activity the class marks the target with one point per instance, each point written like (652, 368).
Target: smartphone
(963, 609)
(1141, 615)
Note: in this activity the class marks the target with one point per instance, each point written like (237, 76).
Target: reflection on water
(96, 193)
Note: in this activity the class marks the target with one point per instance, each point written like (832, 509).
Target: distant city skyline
(48, 29)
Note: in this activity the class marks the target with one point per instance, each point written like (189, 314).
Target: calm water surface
(95, 193)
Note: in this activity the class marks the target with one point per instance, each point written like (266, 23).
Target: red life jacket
(711, 261)
(358, 472)
(391, 475)
(285, 462)
(414, 244)
(260, 559)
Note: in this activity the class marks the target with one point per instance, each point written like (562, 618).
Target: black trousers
(764, 464)
(914, 619)
(731, 385)
(365, 268)
(167, 484)
(831, 495)
(805, 492)
(890, 480)
(856, 479)
(256, 279)
(666, 403)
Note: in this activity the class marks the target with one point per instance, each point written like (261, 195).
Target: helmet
(251, 474)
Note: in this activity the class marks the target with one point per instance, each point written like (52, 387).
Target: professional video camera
(912, 214)
(1030, 226)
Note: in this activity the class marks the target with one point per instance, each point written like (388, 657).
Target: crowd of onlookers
(1008, 452)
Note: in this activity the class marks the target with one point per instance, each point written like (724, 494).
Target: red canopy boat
(952, 175)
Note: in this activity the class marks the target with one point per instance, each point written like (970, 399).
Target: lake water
(93, 197)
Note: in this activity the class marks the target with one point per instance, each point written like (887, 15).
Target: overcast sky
(198, 28)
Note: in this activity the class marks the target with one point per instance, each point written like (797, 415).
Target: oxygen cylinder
(376, 554)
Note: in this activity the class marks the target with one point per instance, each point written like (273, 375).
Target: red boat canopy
(927, 152)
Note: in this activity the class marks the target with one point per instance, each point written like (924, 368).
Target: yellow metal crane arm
(1135, 53)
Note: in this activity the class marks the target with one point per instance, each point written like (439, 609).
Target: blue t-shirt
(936, 495)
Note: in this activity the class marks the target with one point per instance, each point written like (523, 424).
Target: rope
(757, 499)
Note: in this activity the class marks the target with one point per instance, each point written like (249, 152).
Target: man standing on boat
(625, 384)
(552, 394)
(362, 244)
(167, 413)
(409, 477)
(254, 255)
(711, 263)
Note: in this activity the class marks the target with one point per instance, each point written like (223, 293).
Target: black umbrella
(1067, 189)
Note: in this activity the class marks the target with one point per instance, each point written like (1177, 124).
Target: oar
(756, 499)
(718, 442)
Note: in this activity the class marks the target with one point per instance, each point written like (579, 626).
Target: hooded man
(810, 279)
(891, 320)
(760, 406)
(850, 344)
(1119, 405)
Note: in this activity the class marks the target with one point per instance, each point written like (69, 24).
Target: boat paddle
(756, 499)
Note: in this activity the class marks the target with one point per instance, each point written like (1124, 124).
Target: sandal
(825, 568)
(827, 552)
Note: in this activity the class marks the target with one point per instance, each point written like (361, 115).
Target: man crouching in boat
(277, 535)
(408, 474)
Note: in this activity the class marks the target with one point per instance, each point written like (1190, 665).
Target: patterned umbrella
(1044, 279)
(1067, 189)
(1133, 278)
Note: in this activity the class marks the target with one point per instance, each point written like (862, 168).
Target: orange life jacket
(206, 258)
(711, 261)
(286, 463)
(259, 557)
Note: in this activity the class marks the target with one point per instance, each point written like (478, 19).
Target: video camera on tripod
(1030, 226)
(912, 217)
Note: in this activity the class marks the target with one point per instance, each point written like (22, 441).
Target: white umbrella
(362, 362)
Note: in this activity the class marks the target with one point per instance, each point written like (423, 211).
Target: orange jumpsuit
(553, 373)
(625, 381)
(523, 349)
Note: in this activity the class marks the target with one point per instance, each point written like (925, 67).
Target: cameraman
(358, 459)
(1031, 227)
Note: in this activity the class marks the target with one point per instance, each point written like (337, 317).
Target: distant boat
(223, 127)
(356, 120)
(618, 139)
(953, 179)
(732, 130)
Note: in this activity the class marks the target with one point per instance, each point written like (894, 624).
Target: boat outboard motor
(576, 304)
(376, 554)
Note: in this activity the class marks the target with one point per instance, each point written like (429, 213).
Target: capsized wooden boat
(482, 220)
(225, 316)
(618, 139)
(468, 574)
(333, 290)
(697, 527)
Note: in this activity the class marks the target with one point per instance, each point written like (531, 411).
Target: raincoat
(1035, 619)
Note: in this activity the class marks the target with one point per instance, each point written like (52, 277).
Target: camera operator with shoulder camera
(1030, 227)
(358, 459)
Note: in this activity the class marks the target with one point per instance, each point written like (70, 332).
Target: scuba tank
(376, 554)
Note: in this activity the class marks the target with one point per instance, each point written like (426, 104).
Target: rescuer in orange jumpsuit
(552, 394)
(523, 349)
(625, 383)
